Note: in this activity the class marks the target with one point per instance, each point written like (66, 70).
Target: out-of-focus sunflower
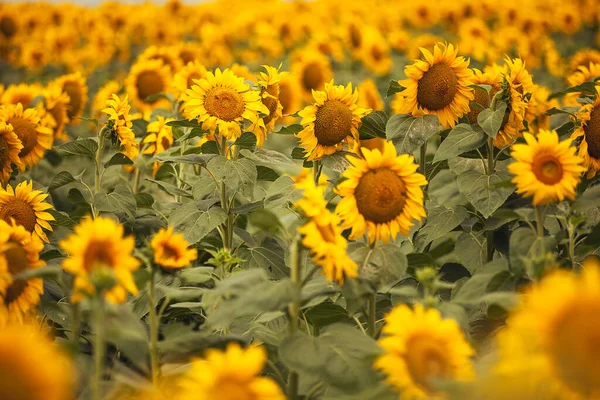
(159, 138)
(171, 250)
(480, 96)
(375, 53)
(583, 74)
(368, 95)
(168, 55)
(98, 246)
(422, 14)
(121, 122)
(189, 52)
(23, 346)
(584, 57)
(589, 132)
(425, 41)
(353, 34)
(399, 40)
(382, 194)
(75, 87)
(145, 79)
(222, 101)
(328, 45)
(475, 36)
(567, 18)
(243, 72)
(269, 95)
(55, 103)
(9, 23)
(331, 121)
(545, 168)
(230, 374)
(10, 147)
(184, 79)
(290, 96)
(103, 95)
(536, 116)
(33, 57)
(27, 208)
(420, 350)
(21, 93)
(312, 69)
(35, 137)
(19, 252)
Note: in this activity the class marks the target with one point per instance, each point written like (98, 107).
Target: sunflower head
(21, 93)
(74, 86)
(168, 55)
(103, 95)
(269, 95)
(312, 69)
(148, 78)
(56, 103)
(171, 250)
(589, 132)
(10, 147)
(545, 168)
(368, 95)
(120, 123)
(185, 77)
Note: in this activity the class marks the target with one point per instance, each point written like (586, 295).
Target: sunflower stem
(489, 239)
(539, 217)
(154, 325)
(571, 231)
(98, 349)
(317, 168)
(98, 180)
(372, 314)
(136, 181)
(423, 159)
(294, 308)
(75, 326)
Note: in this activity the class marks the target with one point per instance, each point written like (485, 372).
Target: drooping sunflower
(589, 132)
(21, 347)
(382, 194)
(331, 121)
(546, 169)
(103, 95)
(19, 252)
(171, 250)
(21, 93)
(168, 55)
(27, 125)
(421, 348)
(230, 374)
(269, 95)
(145, 79)
(10, 147)
(583, 74)
(438, 85)
(222, 101)
(368, 95)
(97, 246)
(27, 208)
(75, 87)
(312, 69)
(185, 77)
(159, 138)
(56, 103)
(118, 114)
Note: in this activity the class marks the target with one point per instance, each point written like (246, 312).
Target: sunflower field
(273, 199)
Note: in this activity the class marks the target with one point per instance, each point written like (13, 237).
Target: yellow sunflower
(19, 252)
(55, 103)
(269, 94)
(583, 74)
(382, 194)
(535, 115)
(312, 69)
(9, 23)
(290, 97)
(75, 87)
(185, 77)
(171, 250)
(103, 95)
(368, 95)
(222, 101)
(589, 132)
(189, 52)
(118, 115)
(145, 79)
(35, 137)
(549, 349)
(10, 147)
(375, 53)
(168, 55)
(481, 97)
(159, 138)
(32, 366)
(243, 72)
(438, 85)
(584, 57)
(27, 208)
(230, 374)
(421, 348)
(99, 247)
(21, 93)
(475, 37)
(546, 169)
(331, 121)
(425, 41)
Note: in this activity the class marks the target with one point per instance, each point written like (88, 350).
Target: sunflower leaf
(373, 125)
(195, 159)
(460, 139)
(61, 179)
(118, 159)
(491, 120)
(197, 219)
(440, 221)
(246, 141)
(184, 123)
(81, 147)
(393, 88)
(290, 129)
(409, 133)
(484, 191)
(585, 87)
(238, 175)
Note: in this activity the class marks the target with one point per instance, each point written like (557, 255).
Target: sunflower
(168, 55)
(10, 147)
(120, 122)
(9, 23)
(481, 97)
(185, 77)
(331, 121)
(33, 57)
(21, 348)
(583, 74)
(381, 193)
(159, 138)
(96, 247)
(420, 348)
(535, 115)
(230, 374)
(426, 41)
(171, 250)
(103, 95)
(312, 69)
(222, 101)
(567, 18)
(269, 94)
(75, 87)
(368, 95)
(375, 53)
(55, 103)
(475, 37)
(145, 79)
(549, 349)
(438, 85)
(546, 169)
(35, 137)
(290, 96)
(589, 132)
(243, 72)
(584, 57)
(21, 93)
(189, 52)
(19, 252)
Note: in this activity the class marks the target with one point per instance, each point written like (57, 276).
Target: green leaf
(298, 153)
(471, 250)
(373, 125)
(491, 120)
(171, 189)
(443, 189)
(197, 219)
(484, 191)
(193, 133)
(118, 159)
(557, 111)
(290, 129)
(270, 255)
(61, 219)
(195, 159)
(246, 141)
(143, 200)
(477, 286)
(139, 127)
(460, 140)
(121, 200)
(210, 147)
(585, 87)
(61, 179)
(265, 174)
(326, 314)
(197, 275)
(440, 220)
(393, 88)
(238, 175)
(44, 272)
(125, 330)
(184, 123)
(81, 147)
(588, 199)
(409, 133)
(77, 197)
(247, 208)
(281, 192)
(272, 159)
(337, 161)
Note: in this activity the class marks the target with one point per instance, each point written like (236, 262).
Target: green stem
(136, 181)
(317, 168)
(75, 326)
(571, 230)
(294, 309)
(490, 171)
(98, 349)
(423, 158)
(154, 325)
(539, 216)
(98, 180)
(372, 314)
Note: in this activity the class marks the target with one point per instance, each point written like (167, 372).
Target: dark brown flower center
(148, 84)
(8, 26)
(333, 122)
(16, 258)
(481, 98)
(26, 132)
(4, 150)
(186, 56)
(270, 101)
(99, 255)
(285, 97)
(426, 360)
(376, 53)
(75, 98)
(24, 98)
(224, 103)
(22, 212)
(380, 195)
(191, 77)
(547, 169)
(592, 133)
(165, 143)
(58, 112)
(437, 87)
(170, 251)
(355, 37)
(312, 77)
